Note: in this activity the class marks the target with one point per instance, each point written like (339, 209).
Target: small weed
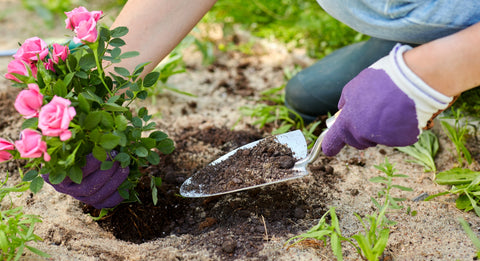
(370, 244)
(457, 134)
(424, 150)
(465, 183)
(16, 228)
(472, 235)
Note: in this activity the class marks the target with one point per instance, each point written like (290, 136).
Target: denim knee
(409, 21)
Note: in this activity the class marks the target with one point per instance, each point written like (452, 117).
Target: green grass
(298, 23)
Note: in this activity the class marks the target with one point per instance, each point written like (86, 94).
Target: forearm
(157, 26)
(451, 65)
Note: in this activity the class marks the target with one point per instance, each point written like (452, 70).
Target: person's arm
(391, 101)
(451, 65)
(157, 26)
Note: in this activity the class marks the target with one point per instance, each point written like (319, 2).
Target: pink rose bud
(49, 65)
(86, 31)
(59, 52)
(31, 145)
(4, 146)
(79, 14)
(20, 67)
(30, 49)
(29, 102)
(54, 118)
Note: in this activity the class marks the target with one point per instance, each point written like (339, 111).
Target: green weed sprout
(16, 228)
(424, 150)
(465, 183)
(371, 243)
(473, 237)
(457, 134)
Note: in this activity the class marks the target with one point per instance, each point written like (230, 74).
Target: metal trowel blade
(293, 140)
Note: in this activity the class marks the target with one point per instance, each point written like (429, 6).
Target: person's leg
(316, 90)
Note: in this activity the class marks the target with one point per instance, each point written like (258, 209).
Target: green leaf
(30, 123)
(166, 146)
(137, 122)
(68, 78)
(129, 54)
(119, 31)
(402, 188)
(463, 202)
(121, 122)
(36, 184)
(456, 176)
(153, 158)
(122, 156)
(75, 174)
(141, 151)
(92, 97)
(149, 143)
(336, 246)
(122, 71)
(83, 104)
(99, 153)
(113, 107)
(116, 52)
(107, 120)
(117, 42)
(57, 177)
(104, 34)
(60, 89)
(30, 175)
(109, 141)
(378, 179)
(151, 79)
(106, 165)
(142, 95)
(87, 62)
(92, 120)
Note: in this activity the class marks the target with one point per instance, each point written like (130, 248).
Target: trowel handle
(317, 147)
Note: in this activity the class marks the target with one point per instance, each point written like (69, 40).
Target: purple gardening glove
(98, 187)
(384, 104)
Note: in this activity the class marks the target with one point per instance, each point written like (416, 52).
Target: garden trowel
(294, 140)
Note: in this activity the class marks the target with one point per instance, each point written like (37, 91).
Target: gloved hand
(384, 104)
(98, 187)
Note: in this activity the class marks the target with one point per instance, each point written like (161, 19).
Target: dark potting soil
(233, 226)
(266, 162)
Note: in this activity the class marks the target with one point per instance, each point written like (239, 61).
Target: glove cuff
(428, 101)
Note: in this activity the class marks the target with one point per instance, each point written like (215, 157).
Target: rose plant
(78, 119)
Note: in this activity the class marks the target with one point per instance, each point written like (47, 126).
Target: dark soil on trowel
(233, 226)
(268, 161)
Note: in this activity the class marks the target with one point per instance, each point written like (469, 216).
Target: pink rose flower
(20, 67)
(55, 117)
(80, 14)
(86, 31)
(4, 146)
(59, 52)
(30, 49)
(31, 145)
(29, 102)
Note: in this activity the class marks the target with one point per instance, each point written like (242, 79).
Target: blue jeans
(408, 21)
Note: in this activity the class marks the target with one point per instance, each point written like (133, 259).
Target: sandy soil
(70, 234)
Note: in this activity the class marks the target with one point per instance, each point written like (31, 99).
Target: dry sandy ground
(69, 234)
